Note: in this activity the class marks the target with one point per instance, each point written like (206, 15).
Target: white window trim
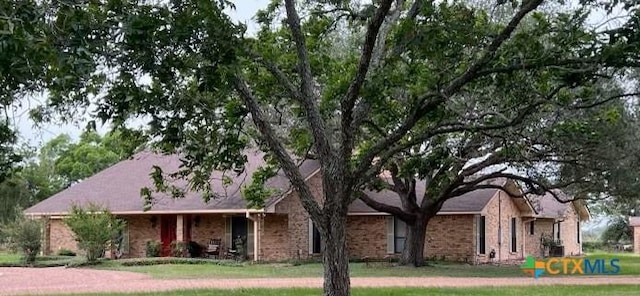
(389, 222)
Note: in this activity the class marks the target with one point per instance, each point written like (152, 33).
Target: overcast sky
(245, 10)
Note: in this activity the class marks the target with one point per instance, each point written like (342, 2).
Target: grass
(15, 260)
(311, 270)
(629, 263)
(609, 290)
(6, 257)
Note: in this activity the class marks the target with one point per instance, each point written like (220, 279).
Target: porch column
(180, 228)
(256, 236)
(256, 239)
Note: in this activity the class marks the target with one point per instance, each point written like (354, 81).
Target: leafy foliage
(14, 196)
(153, 248)
(66, 252)
(59, 163)
(618, 230)
(178, 249)
(25, 236)
(94, 228)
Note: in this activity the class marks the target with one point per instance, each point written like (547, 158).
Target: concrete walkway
(17, 281)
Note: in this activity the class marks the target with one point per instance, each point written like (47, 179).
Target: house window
(532, 227)
(578, 231)
(315, 246)
(482, 240)
(513, 235)
(556, 231)
(399, 235)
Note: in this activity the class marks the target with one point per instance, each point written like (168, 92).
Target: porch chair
(213, 248)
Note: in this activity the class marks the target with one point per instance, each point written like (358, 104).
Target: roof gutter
(459, 213)
(225, 211)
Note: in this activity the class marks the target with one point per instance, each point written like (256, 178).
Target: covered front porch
(189, 228)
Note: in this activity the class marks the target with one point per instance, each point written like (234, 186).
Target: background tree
(617, 231)
(59, 163)
(14, 196)
(94, 153)
(212, 91)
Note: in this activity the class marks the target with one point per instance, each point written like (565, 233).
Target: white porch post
(256, 237)
(180, 228)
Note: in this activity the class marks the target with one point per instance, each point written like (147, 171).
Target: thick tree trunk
(413, 253)
(335, 256)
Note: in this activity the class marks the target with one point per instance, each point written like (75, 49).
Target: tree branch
(309, 102)
(281, 77)
(609, 99)
(382, 207)
(353, 91)
(434, 99)
(531, 183)
(289, 167)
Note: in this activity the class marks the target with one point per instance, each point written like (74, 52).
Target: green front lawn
(9, 257)
(15, 259)
(312, 270)
(629, 263)
(609, 290)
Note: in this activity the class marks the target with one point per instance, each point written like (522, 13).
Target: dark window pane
(481, 235)
(532, 227)
(513, 235)
(399, 234)
(316, 240)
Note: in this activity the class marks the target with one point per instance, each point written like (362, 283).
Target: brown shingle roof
(548, 207)
(118, 187)
(470, 202)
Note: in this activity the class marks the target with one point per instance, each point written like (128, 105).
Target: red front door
(167, 233)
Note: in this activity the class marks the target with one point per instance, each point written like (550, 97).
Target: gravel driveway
(16, 281)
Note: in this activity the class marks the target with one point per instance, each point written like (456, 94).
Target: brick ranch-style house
(468, 227)
(634, 223)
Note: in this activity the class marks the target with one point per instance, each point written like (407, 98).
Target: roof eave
(176, 212)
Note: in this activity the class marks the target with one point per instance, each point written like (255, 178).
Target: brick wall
(499, 212)
(367, 236)
(451, 237)
(569, 233)
(61, 237)
(141, 230)
(210, 226)
(533, 243)
(636, 239)
(274, 238)
(297, 243)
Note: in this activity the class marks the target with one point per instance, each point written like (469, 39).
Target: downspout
(499, 226)
(256, 237)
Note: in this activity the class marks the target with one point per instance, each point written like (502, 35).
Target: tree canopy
(59, 163)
